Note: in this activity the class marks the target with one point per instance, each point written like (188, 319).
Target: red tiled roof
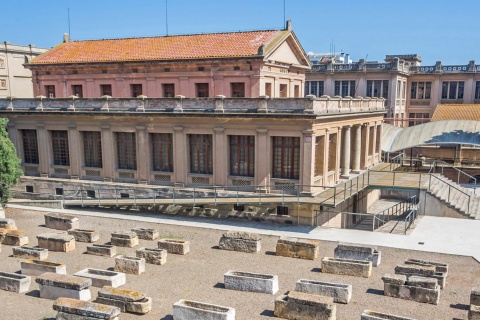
(198, 46)
(456, 112)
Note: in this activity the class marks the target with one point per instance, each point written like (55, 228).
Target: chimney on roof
(289, 25)
(66, 38)
(261, 50)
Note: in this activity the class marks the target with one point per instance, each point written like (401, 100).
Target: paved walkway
(432, 234)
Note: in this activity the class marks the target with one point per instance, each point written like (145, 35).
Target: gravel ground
(199, 275)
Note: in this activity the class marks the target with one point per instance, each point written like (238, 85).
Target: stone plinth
(102, 250)
(61, 221)
(101, 278)
(146, 234)
(419, 289)
(82, 235)
(131, 265)
(61, 242)
(8, 224)
(254, 282)
(297, 248)
(13, 237)
(341, 293)
(14, 282)
(73, 309)
(126, 239)
(240, 241)
(152, 256)
(34, 267)
(358, 252)
(30, 253)
(356, 268)
(299, 305)
(475, 296)
(126, 300)
(439, 267)
(422, 271)
(188, 310)
(54, 286)
(373, 315)
(174, 246)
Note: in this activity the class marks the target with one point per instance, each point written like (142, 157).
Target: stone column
(75, 151)
(375, 137)
(43, 150)
(378, 145)
(345, 166)
(262, 158)
(357, 147)
(326, 155)
(180, 156)
(109, 160)
(142, 155)
(308, 164)
(220, 157)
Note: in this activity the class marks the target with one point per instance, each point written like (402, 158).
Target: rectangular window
(314, 88)
(162, 152)
(453, 90)
(202, 90)
(126, 150)
(106, 90)
(168, 90)
(242, 156)
(345, 88)
(3, 84)
(268, 89)
(477, 90)
(60, 148)
(286, 157)
(237, 89)
(136, 90)
(77, 90)
(283, 91)
(201, 153)
(377, 88)
(50, 92)
(30, 146)
(92, 149)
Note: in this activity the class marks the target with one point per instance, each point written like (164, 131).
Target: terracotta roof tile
(198, 46)
(457, 112)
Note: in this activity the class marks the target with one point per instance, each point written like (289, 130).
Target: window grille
(162, 152)
(286, 157)
(242, 156)
(201, 153)
(30, 146)
(92, 149)
(126, 150)
(60, 148)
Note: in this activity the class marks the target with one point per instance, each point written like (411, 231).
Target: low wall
(431, 206)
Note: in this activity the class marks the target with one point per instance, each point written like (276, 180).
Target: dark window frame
(201, 153)
(60, 148)
(237, 89)
(242, 155)
(92, 149)
(136, 89)
(126, 150)
(30, 146)
(77, 90)
(50, 91)
(106, 90)
(168, 90)
(162, 152)
(286, 157)
(202, 90)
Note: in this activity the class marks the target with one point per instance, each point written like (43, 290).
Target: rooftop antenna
(69, 33)
(166, 15)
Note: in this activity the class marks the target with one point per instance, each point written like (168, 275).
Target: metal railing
(450, 187)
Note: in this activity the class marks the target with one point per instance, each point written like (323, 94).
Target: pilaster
(75, 153)
(142, 155)
(220, 157)
(109, 158)
(262, 158)
(180, 156)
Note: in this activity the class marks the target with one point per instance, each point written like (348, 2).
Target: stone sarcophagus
(27, 252)
(61, 242)
(14, 282)
(101, 278)
(358, 252)
(74, 309)
(189, 310)
(12, 237)
(341, 293)
(8, 224)
(429, 271)
(174, 246)
(105, 250)
(373, 315)
(126, 300)
(240, 241)
(128, 239)
(415, 288)
(82, 235)
(355, 268)
(300, 305)
(61, 221)
(254, 282)
(34, 267)
(152, 256)
(146, 234)
(131, 265)
(439, 267)
(298, 248)
(54, 286)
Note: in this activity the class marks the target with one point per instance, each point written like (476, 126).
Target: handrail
(449, 187)
(459, 171)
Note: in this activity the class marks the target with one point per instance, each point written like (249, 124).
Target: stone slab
(422, 271)
(373, 315)
(356, 268)
(124, 295)
(131, 265)
(82, 235)
(341, 293)
(152, 256)
(439, 267)
(13, 237)
(358, 252)
(63, 281)
(240, 241)
(35, 267)
(60, 242)
(146, 234)
(53, 293)
(298, 248)
(14, 282)
(423, 282)
(84, 308)
(61, 221)
(68, 316)
(253, 282)
(27, 252)
(101, 278)
(174, 246)
(302, 306)
(124, 234)
(102, 250)
(189, 310)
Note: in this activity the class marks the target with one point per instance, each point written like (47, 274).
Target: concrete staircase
(455, 196)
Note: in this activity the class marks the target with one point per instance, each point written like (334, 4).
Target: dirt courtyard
(199, 275)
